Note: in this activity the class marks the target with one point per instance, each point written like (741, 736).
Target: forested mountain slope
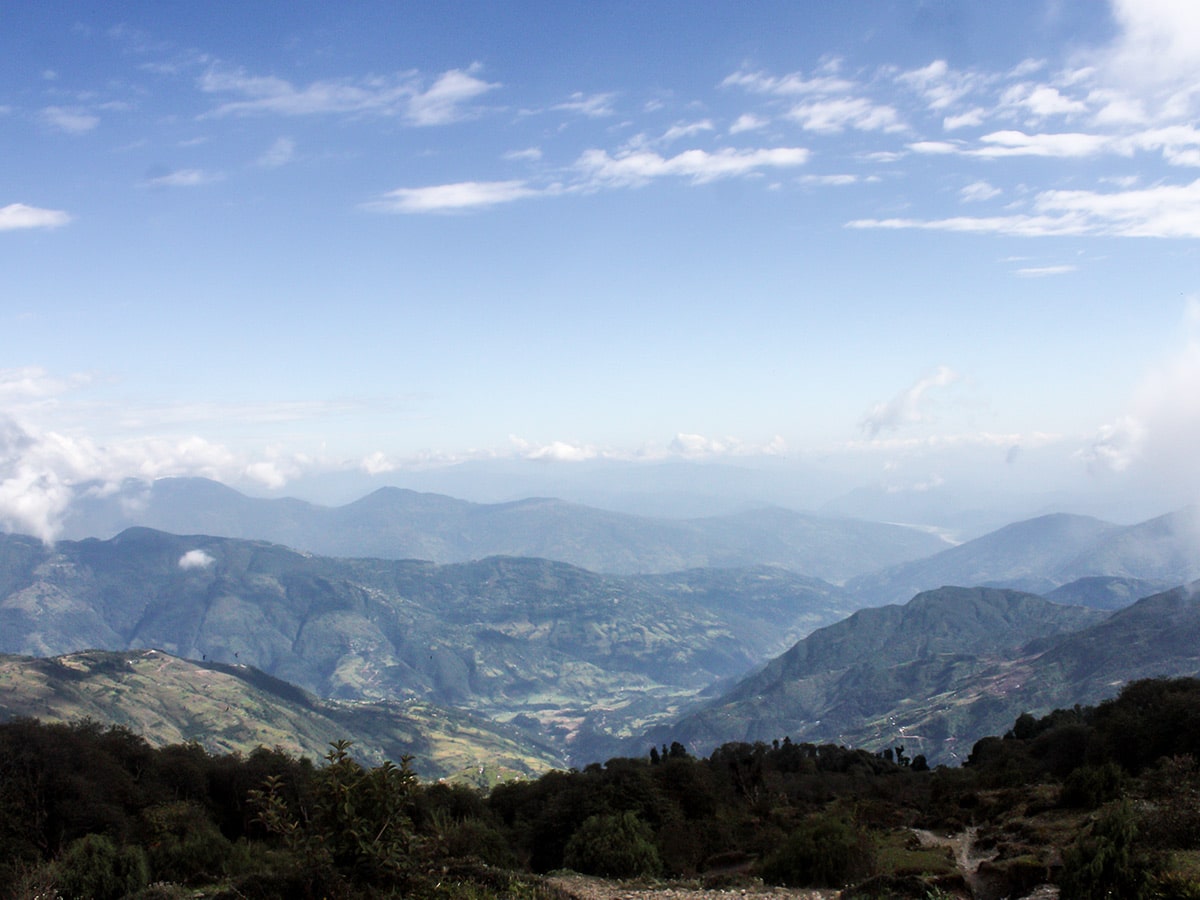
(557, 645)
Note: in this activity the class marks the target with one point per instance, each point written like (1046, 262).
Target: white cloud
(700, 166)
(939, 85)
(443, 102)
(1042, 101)
(184, 178)
(685, 129)
(1063, 146)
(794, 84)
(377, 463)
(593, 106)
(748, 122)
(909, 406)
(1164, 211)
(837, 114)
(555, 451)
(829, 180)
(69, 120)
(935, 148)
(17, 216)
(968, 119)
(464, 195)
(280, 153)
(1158, 45)
(404, 95)
(1116, 446)
(195, 559)
(1045, 271)
(978, 191)
(529, 154)
(1156, 438)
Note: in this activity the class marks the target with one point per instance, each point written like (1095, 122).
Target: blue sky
(262, 242)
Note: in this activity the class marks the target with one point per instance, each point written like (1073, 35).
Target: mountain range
(1040, 555)
(948, 667)
(542, 643)
(674, 629)
(393, 523)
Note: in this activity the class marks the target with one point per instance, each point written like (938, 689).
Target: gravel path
(582, 887)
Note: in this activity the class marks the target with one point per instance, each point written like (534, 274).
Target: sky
(929, 245)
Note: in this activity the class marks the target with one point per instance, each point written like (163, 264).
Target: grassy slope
(236, 708)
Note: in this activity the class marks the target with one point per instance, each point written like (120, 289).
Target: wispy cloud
(794, 84)
(837, 114)
(1045, 271)
(641, 167)
(280, 153)
(1156, 437)
(593, 106)
(69, 120)
(446, 100)
(978, 191)
(748, 122)
(183, 178)
(1164, 211)
(461, 196)
(18, 216)
(909, 406)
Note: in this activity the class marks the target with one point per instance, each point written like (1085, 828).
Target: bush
(1103, 862)
(615, 846)
(825, 851)
(94, 868)
(1089, 787)
(473, 838)
(184, 843)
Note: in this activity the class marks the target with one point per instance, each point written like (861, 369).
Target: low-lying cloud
(195, 559)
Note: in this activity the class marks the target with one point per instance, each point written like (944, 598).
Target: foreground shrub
(1090, 787)
(94, 868)
(827, 850)
(615, 846)
(185, 844)
(1104, 861)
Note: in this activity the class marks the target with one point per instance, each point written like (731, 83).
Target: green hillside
(582, 658)
(946, 668)
(236, 709)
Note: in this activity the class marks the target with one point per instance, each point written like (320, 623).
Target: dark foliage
(91, 811)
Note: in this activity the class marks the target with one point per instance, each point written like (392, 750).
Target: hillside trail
(967, 859)
(583, 887)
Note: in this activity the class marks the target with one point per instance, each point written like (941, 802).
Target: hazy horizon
(939, 254)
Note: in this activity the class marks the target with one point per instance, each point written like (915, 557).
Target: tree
(359, 822)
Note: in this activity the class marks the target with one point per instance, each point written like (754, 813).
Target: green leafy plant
(616, 846)
(826, 850)
(1104, 862)
(359, 823)
(94, 868)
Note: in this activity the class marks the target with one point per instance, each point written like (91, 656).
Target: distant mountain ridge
(948, 667)
(551, 644)
(1040, 555)
(393, 523)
